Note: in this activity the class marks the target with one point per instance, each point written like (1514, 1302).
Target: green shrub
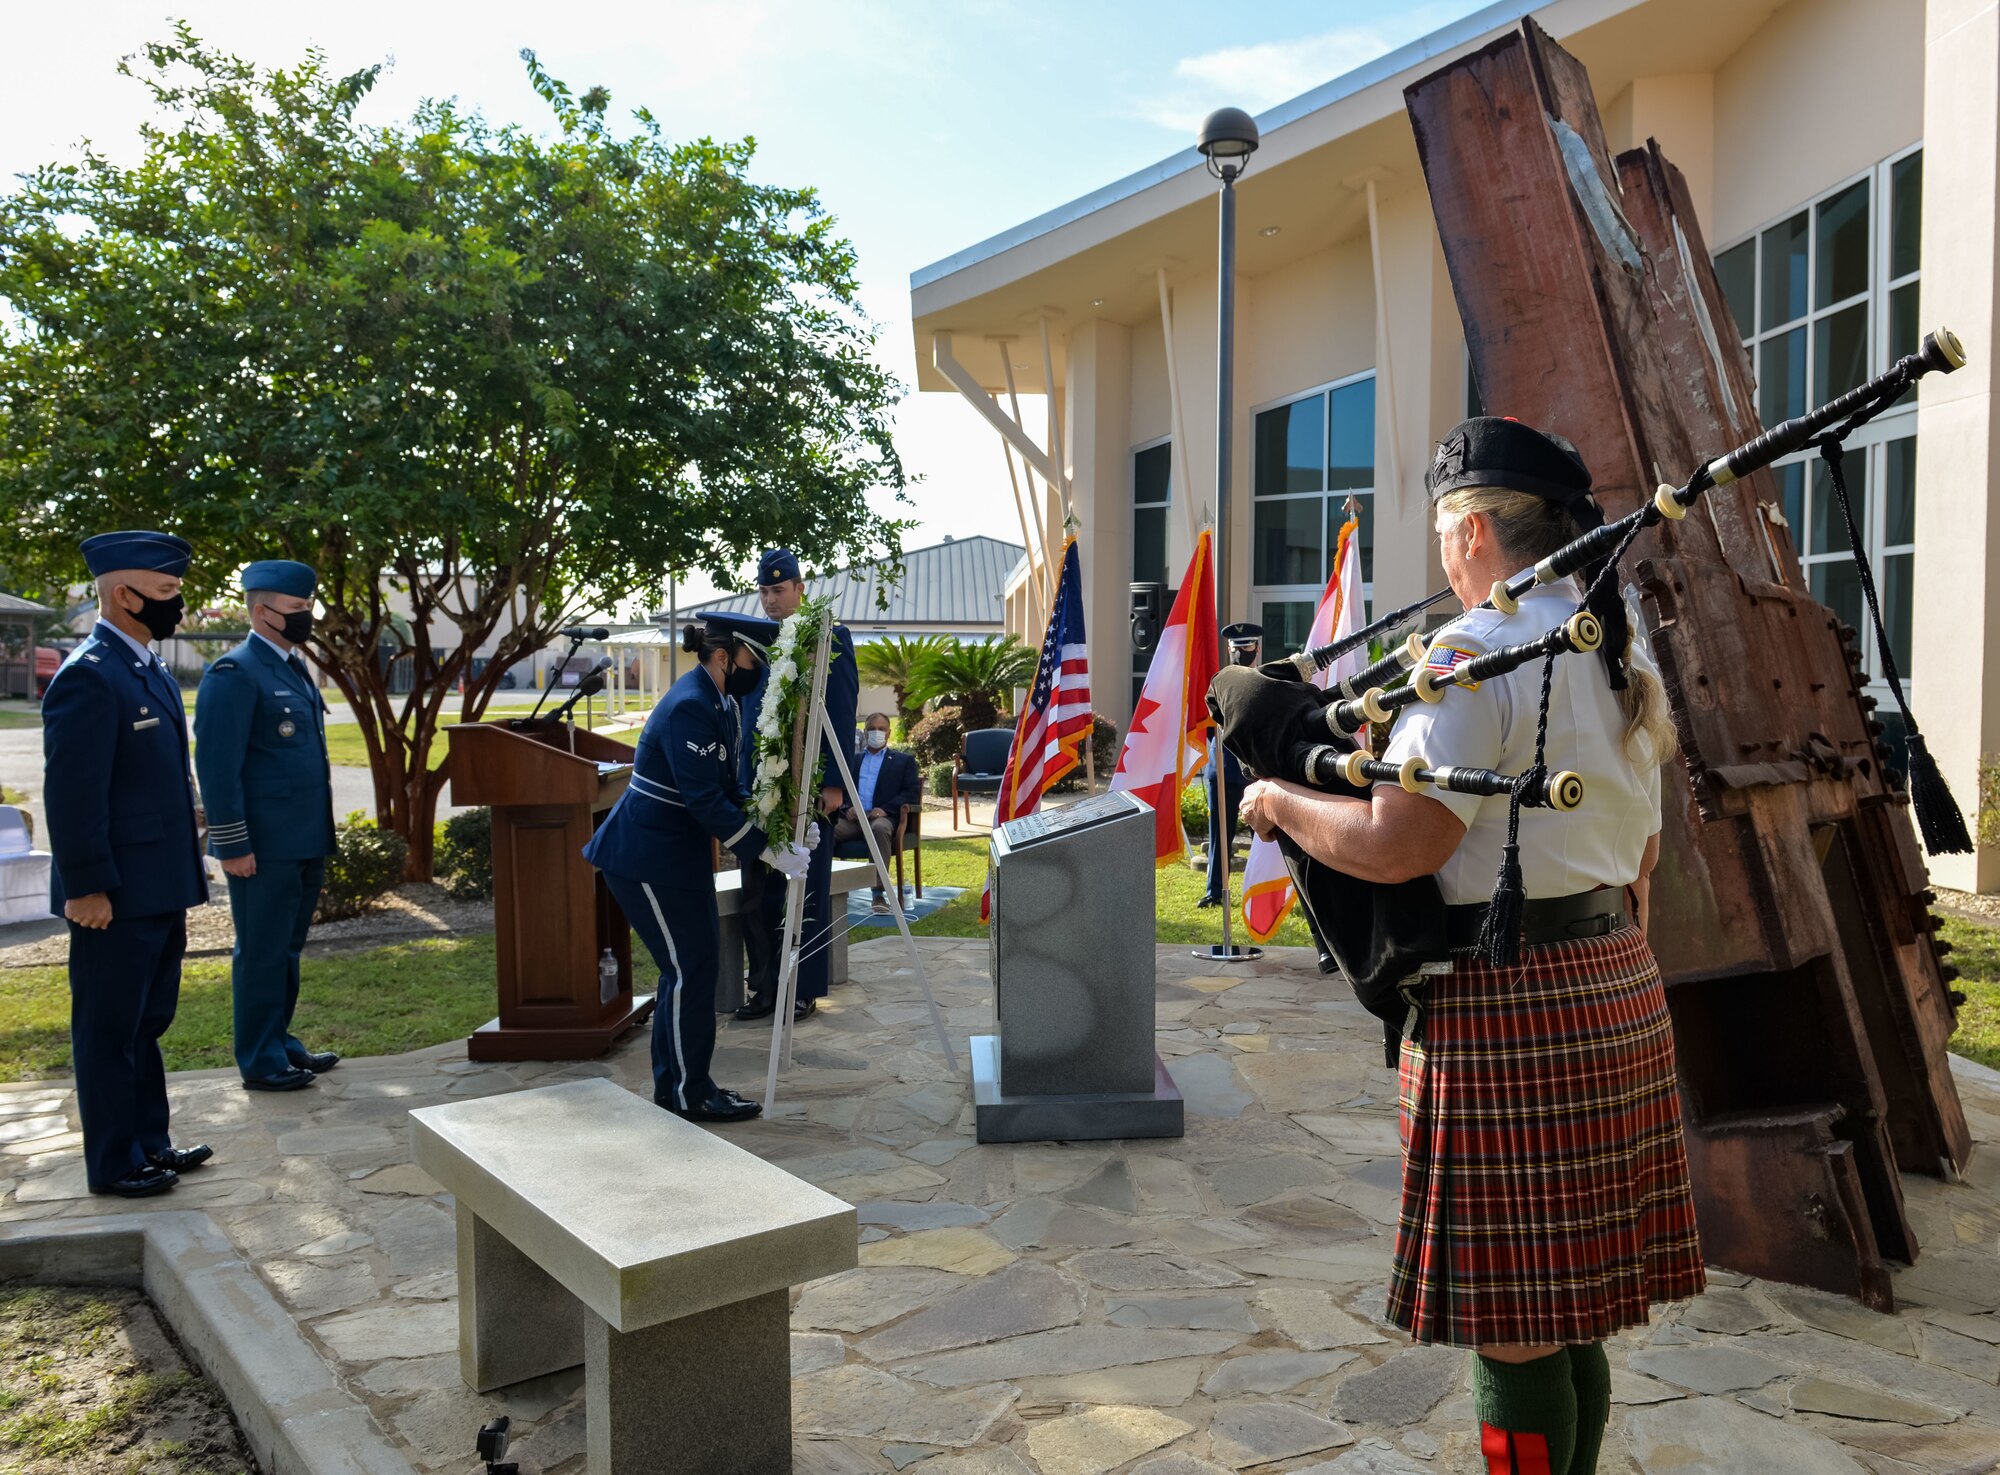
(938, 736)
(1194, 808)
(366, 864)
(938, 780)
(1103, 748)
(463, 861)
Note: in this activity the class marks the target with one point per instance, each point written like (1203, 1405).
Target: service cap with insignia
(159, 553)
(280, 576)
(778, 566)
(753, 630)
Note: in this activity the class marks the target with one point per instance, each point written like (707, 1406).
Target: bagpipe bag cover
(1376, 934)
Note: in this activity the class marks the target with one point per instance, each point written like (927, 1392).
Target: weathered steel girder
(1789, 911)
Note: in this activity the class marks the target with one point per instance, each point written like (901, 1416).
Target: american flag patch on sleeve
(1442, 658)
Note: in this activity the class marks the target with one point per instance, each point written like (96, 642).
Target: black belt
(1546, 919)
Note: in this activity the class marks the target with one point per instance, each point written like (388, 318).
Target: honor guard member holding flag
(1244, 642)
(1546, 1203)
(260, 749)
(781, 591)
(123, 830)
(654, 850)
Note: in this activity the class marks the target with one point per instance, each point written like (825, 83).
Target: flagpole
(1228, 139)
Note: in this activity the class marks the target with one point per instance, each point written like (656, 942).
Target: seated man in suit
(886, 780)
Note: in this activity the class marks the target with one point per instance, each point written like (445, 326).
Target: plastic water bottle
(607, 978)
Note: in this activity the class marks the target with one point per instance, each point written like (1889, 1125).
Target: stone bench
(848, 875)
(595, 1228)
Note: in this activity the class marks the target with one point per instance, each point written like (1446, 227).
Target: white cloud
(1260, 76)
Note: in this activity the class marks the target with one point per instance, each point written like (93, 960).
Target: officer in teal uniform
(260, 750)
(123, 831)
(781, 591)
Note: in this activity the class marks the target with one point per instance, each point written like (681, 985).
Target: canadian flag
(1167, 743)
(1268, 897)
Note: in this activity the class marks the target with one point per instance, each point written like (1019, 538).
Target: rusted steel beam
(1790, 878)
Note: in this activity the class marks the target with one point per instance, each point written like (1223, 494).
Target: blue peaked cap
(281, 576)
(160, 553)
(778, 566)
(755, 629)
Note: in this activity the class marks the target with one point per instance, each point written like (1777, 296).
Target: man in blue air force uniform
(686, 791)
(123, 830)
(260, 748)
(782, 590)
(1225, 787)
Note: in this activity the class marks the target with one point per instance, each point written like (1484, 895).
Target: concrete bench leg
(514, 1320)
(711, 1392)
(729, 967)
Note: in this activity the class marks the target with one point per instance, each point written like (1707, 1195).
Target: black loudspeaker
(1148, 609)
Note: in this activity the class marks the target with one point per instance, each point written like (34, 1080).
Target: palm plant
(893, 663)
(977, 675)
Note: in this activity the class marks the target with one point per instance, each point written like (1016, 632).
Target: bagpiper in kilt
(1546, 1202)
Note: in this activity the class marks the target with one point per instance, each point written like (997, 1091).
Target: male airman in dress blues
(1225, 787)
(260, 748)
(125, 835)
(781, 590)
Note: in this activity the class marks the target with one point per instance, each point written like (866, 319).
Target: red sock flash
(1509, 1453)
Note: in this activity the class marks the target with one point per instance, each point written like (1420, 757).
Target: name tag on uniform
(149, 722)
(279, 691)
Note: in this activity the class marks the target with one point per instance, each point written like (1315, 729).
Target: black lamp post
(1228, 139)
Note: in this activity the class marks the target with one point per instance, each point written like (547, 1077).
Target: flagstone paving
(1189, 1307)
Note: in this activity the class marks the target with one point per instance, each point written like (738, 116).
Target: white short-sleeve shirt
(1600, 843)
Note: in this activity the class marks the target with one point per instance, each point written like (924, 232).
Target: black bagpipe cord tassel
(1939, 819)
(1499, 941)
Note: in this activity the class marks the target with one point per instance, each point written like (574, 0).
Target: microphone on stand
(590, 686)
(577, 635)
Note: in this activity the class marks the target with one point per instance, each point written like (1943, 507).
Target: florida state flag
(1167, 743)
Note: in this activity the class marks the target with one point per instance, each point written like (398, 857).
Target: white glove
(790, 861)
(812, 837)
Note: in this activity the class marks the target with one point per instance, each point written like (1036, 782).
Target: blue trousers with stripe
(673, 911)
(272, 911)
(124, 983)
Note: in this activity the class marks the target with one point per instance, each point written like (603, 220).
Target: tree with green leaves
(484, 379)
(893, 662)
(977, 676)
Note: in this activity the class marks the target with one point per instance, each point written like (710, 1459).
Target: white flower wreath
(775, 790)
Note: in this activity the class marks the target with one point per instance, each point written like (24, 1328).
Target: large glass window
(1824, 298)
(1152, 495)
(1311, 456)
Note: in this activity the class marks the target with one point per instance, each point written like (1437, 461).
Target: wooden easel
(806, 735)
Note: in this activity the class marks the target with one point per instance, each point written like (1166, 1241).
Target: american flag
(1055, 724)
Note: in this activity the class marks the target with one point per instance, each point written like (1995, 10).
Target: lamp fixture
(1097, 302)
(1270, 230)
(1228, 138)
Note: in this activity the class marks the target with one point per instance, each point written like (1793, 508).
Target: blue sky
(927, 127)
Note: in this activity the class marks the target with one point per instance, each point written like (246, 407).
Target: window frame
(1259, 593)
(1869, 444)
(1134, 506)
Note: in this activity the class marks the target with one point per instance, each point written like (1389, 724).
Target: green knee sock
(1590, 1375)
(1527, 1414)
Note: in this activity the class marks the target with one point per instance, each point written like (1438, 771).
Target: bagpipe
(1279, 725)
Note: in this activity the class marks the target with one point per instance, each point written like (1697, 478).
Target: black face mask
(298, 626)
(741, 680)
(1239, 656)
(161, 617)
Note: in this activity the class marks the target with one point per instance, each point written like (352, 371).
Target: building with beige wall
(1842, 156)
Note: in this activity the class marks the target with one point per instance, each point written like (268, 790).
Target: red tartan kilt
(1545, 1183)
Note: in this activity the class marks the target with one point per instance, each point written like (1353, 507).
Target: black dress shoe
(140, 1183)
(757, 1008)
(180, 1159)
(804, 1009)
(1209, 901)
(723, 1106)
(319, 1062)
(285, 1080)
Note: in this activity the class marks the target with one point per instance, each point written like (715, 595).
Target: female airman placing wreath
(1545, 1187)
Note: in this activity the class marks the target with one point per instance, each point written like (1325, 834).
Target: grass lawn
(962, 862)
(12, 719)
(1975, 949)
(378, 1002)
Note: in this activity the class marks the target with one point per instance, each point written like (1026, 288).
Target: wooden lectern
(549, 787)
